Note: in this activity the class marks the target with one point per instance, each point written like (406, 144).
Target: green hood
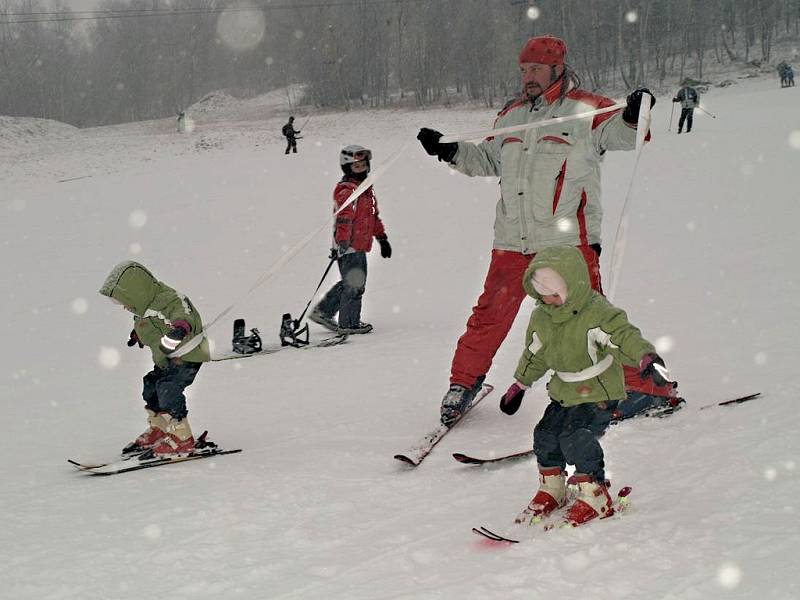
(570, 264)
(131, 284)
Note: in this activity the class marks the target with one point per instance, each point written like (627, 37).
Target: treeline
(134, 59)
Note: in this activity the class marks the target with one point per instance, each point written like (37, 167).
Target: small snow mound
(17, 132)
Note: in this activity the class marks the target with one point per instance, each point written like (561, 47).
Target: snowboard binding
(291, 333)
(245, 344)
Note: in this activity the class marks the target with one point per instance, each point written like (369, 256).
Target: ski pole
(319, 285)
(672, 112)
(620, 239)
(713, 116)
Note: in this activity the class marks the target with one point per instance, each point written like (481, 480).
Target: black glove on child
(342, 248)
(134, 339)
(512, 399)
(631, 112)
(647, 368)
(386, 248)
(429, 138)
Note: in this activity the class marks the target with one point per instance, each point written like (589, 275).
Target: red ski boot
(177, 441)
(150, 437)
(552, 494)
(592, 502)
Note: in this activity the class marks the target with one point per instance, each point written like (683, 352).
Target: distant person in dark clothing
(689, 100)
(290, 134)
(786, 74)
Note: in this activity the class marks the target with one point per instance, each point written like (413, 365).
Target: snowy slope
(315, 507)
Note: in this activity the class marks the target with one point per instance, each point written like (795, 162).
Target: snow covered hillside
(315, 506)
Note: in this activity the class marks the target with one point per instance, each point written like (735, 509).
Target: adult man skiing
(290, 134)
(355, 227)
(689, 100)
(550, 196)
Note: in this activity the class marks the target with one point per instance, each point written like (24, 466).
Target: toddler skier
(354, 230)
(584, 339)
(163, 320)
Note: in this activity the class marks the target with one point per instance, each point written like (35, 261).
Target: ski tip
(464, 459)
(404, 459)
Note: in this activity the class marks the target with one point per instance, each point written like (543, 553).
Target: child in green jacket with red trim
(585, 340)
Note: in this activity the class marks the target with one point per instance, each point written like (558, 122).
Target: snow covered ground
(315, 506)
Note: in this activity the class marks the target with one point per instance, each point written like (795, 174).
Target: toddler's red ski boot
(592, 502)
(552, 494)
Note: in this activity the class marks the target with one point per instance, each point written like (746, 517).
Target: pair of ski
(552, 521)
(326, 342)
(472, 460)
(137, 461)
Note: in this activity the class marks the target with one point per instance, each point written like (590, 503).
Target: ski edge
(473, 460)
(738, 400)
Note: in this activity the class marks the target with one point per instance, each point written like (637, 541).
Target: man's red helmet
(544, 49)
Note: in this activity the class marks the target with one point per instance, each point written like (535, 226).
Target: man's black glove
(134, 339)
(631, 112)
(429, 138)
(649, 367)
(386, 248)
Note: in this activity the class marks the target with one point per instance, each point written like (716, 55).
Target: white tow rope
(621, 237)
(479, 135)
(292, 252)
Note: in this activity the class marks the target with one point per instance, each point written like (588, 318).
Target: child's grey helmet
(354, 153)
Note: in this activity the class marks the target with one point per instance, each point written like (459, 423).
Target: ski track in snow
(315, 506)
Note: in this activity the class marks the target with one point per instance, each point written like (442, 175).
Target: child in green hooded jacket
(169, 324)
(585, 340)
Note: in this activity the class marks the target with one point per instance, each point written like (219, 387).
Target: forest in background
(132, 60)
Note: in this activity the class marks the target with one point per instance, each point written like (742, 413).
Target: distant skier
(290, 134)
(584, 339)
(786, 73)
(163, 320)
(689, 100)
(181, 122)
(354, 229)
(550, 195)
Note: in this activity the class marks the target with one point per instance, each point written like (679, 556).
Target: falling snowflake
(79, 306)
(109, 357)
(137, 219)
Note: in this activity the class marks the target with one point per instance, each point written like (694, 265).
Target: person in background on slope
(689, 100)
(181, 126)
(584, 339)
(290, 134)
(163, 320)
(786, 73)
(354, 228)
(549, 196)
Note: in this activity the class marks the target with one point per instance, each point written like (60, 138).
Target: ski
(733, 401)
(85, 466)
(472, 460)
(417, 453)
(551, 522)
(128, 465)
(275, 348)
